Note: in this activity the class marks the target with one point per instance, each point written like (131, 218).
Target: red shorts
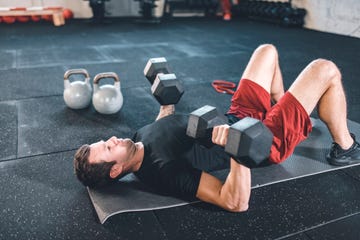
(287, 119)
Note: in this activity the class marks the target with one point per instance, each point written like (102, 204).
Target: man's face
(114, 149)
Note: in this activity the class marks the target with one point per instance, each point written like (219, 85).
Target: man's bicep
(209, 189)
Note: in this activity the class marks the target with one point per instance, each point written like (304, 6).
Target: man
(163, 157)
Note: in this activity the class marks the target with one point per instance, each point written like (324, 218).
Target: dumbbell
(249, 140)
(165, 87)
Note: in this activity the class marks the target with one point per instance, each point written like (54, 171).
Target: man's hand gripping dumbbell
(248, 141)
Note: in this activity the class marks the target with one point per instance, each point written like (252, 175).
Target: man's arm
(165, 110)
(232, 195)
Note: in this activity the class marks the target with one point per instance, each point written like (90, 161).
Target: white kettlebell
(107, 99)
(77, 94)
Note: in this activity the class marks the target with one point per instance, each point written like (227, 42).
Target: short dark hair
(92, 174)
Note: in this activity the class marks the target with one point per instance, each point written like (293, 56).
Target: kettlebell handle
(70, 72)
(106, 75)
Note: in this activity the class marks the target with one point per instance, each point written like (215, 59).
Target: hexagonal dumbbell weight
(165, 87)
(203, 120)
(249, 142)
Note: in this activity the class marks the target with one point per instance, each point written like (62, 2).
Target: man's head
(104, 162)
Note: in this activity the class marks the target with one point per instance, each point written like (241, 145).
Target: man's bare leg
(319, 84)
(263, 68)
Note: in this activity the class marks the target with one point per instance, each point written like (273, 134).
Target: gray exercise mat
(308, 159)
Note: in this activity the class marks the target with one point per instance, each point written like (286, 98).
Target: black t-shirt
(173, 162)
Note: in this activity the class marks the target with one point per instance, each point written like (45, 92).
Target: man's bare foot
(166, 110)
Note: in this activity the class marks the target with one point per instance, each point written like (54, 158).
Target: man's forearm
(234, 194)
(237, 187)
(165, 110)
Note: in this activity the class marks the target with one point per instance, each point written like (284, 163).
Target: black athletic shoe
(341, 157)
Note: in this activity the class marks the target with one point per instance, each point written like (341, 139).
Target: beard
(131, 146)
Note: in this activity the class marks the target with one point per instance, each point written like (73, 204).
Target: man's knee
(326, 68)
(267, 49)
(268, 52)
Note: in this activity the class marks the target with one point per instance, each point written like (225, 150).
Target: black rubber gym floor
(40, 197)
